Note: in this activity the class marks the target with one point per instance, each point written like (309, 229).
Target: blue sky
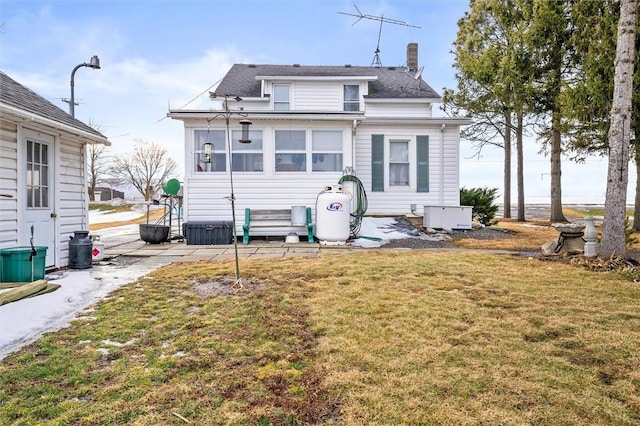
(157, 54)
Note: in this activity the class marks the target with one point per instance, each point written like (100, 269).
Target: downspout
(354, 127)
(442, 127)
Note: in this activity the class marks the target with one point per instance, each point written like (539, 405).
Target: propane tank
(333, 216)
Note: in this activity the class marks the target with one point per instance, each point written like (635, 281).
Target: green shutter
(422, 155)
(377, 162)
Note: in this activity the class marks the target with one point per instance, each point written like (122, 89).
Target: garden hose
(359, 201)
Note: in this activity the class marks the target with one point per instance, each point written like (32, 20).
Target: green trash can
(17, 265)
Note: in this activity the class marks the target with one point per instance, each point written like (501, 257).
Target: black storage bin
(208, 232)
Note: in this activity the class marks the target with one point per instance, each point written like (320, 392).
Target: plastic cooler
(16, 265)
(208, 232)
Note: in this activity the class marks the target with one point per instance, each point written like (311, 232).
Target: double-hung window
(210, 151)
(247, 157)
(291, 154)
(326, 150)
(398, 163)
(351, 97)
(281, 97)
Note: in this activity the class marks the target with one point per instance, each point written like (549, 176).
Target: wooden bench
(274, 219)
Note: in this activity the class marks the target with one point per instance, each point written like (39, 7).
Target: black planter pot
(154, 234)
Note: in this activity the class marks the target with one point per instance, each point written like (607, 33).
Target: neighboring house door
(38, 187)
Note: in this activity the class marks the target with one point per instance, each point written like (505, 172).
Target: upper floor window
(281, 97)
(247, 157)
(326, 150)
(351, 97)
(291, 154)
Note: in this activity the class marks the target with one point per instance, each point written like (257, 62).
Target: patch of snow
(377, 231)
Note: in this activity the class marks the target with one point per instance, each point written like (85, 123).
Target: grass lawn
(372, 337)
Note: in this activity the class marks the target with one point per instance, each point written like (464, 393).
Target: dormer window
(351, 97)
(281, 97)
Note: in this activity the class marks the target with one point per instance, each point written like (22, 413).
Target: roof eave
(31, 117)
(402, 100)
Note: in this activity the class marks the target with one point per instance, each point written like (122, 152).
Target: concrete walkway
(220, 252)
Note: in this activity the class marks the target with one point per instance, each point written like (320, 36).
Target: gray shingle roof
(18, 96)
(392, 82)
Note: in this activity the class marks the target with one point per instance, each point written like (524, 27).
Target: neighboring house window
(247, 157)
(37, 174)
(351, 97)
(214, 160)
(398, 163)
(291, 155)
(326, 151)
(281, 97)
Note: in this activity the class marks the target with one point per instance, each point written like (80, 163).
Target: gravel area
(418, 237)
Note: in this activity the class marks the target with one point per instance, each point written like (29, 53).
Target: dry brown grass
(154, 215)
(522, 236)
(365, 338)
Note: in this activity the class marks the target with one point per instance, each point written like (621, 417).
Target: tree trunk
(506, 196)
(520, 165)
(636, 208)
(613, 229)
(556, 171)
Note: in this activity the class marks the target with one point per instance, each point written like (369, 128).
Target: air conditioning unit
(447, 217)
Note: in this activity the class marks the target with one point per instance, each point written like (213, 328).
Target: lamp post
(244, 138)
(93, 63)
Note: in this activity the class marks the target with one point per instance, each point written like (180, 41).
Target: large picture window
(291, 151)
(247, 157)
(326, 151)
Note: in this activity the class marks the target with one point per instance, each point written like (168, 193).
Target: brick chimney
(412, 56)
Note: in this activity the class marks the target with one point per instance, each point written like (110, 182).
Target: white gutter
(34, 118)
(354, 128)
(265, 115)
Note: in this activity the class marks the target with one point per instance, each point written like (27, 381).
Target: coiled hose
(359, 201)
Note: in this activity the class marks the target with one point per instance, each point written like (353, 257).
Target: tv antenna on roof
(376, 58)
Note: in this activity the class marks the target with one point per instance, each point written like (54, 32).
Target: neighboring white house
(43, 172)
(309, 124)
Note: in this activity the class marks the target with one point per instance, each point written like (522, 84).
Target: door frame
(24, 134)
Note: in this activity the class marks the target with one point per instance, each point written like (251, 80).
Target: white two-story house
(312, 124)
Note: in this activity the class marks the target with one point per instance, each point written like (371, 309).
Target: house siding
(443, 170)
(72, 198)
(8, 184)
(309, 96)
(399, 110)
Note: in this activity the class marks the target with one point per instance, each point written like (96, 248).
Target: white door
(38, 222)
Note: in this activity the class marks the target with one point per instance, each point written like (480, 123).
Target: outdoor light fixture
(206, 152)
(245, 131)
(93, 63)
